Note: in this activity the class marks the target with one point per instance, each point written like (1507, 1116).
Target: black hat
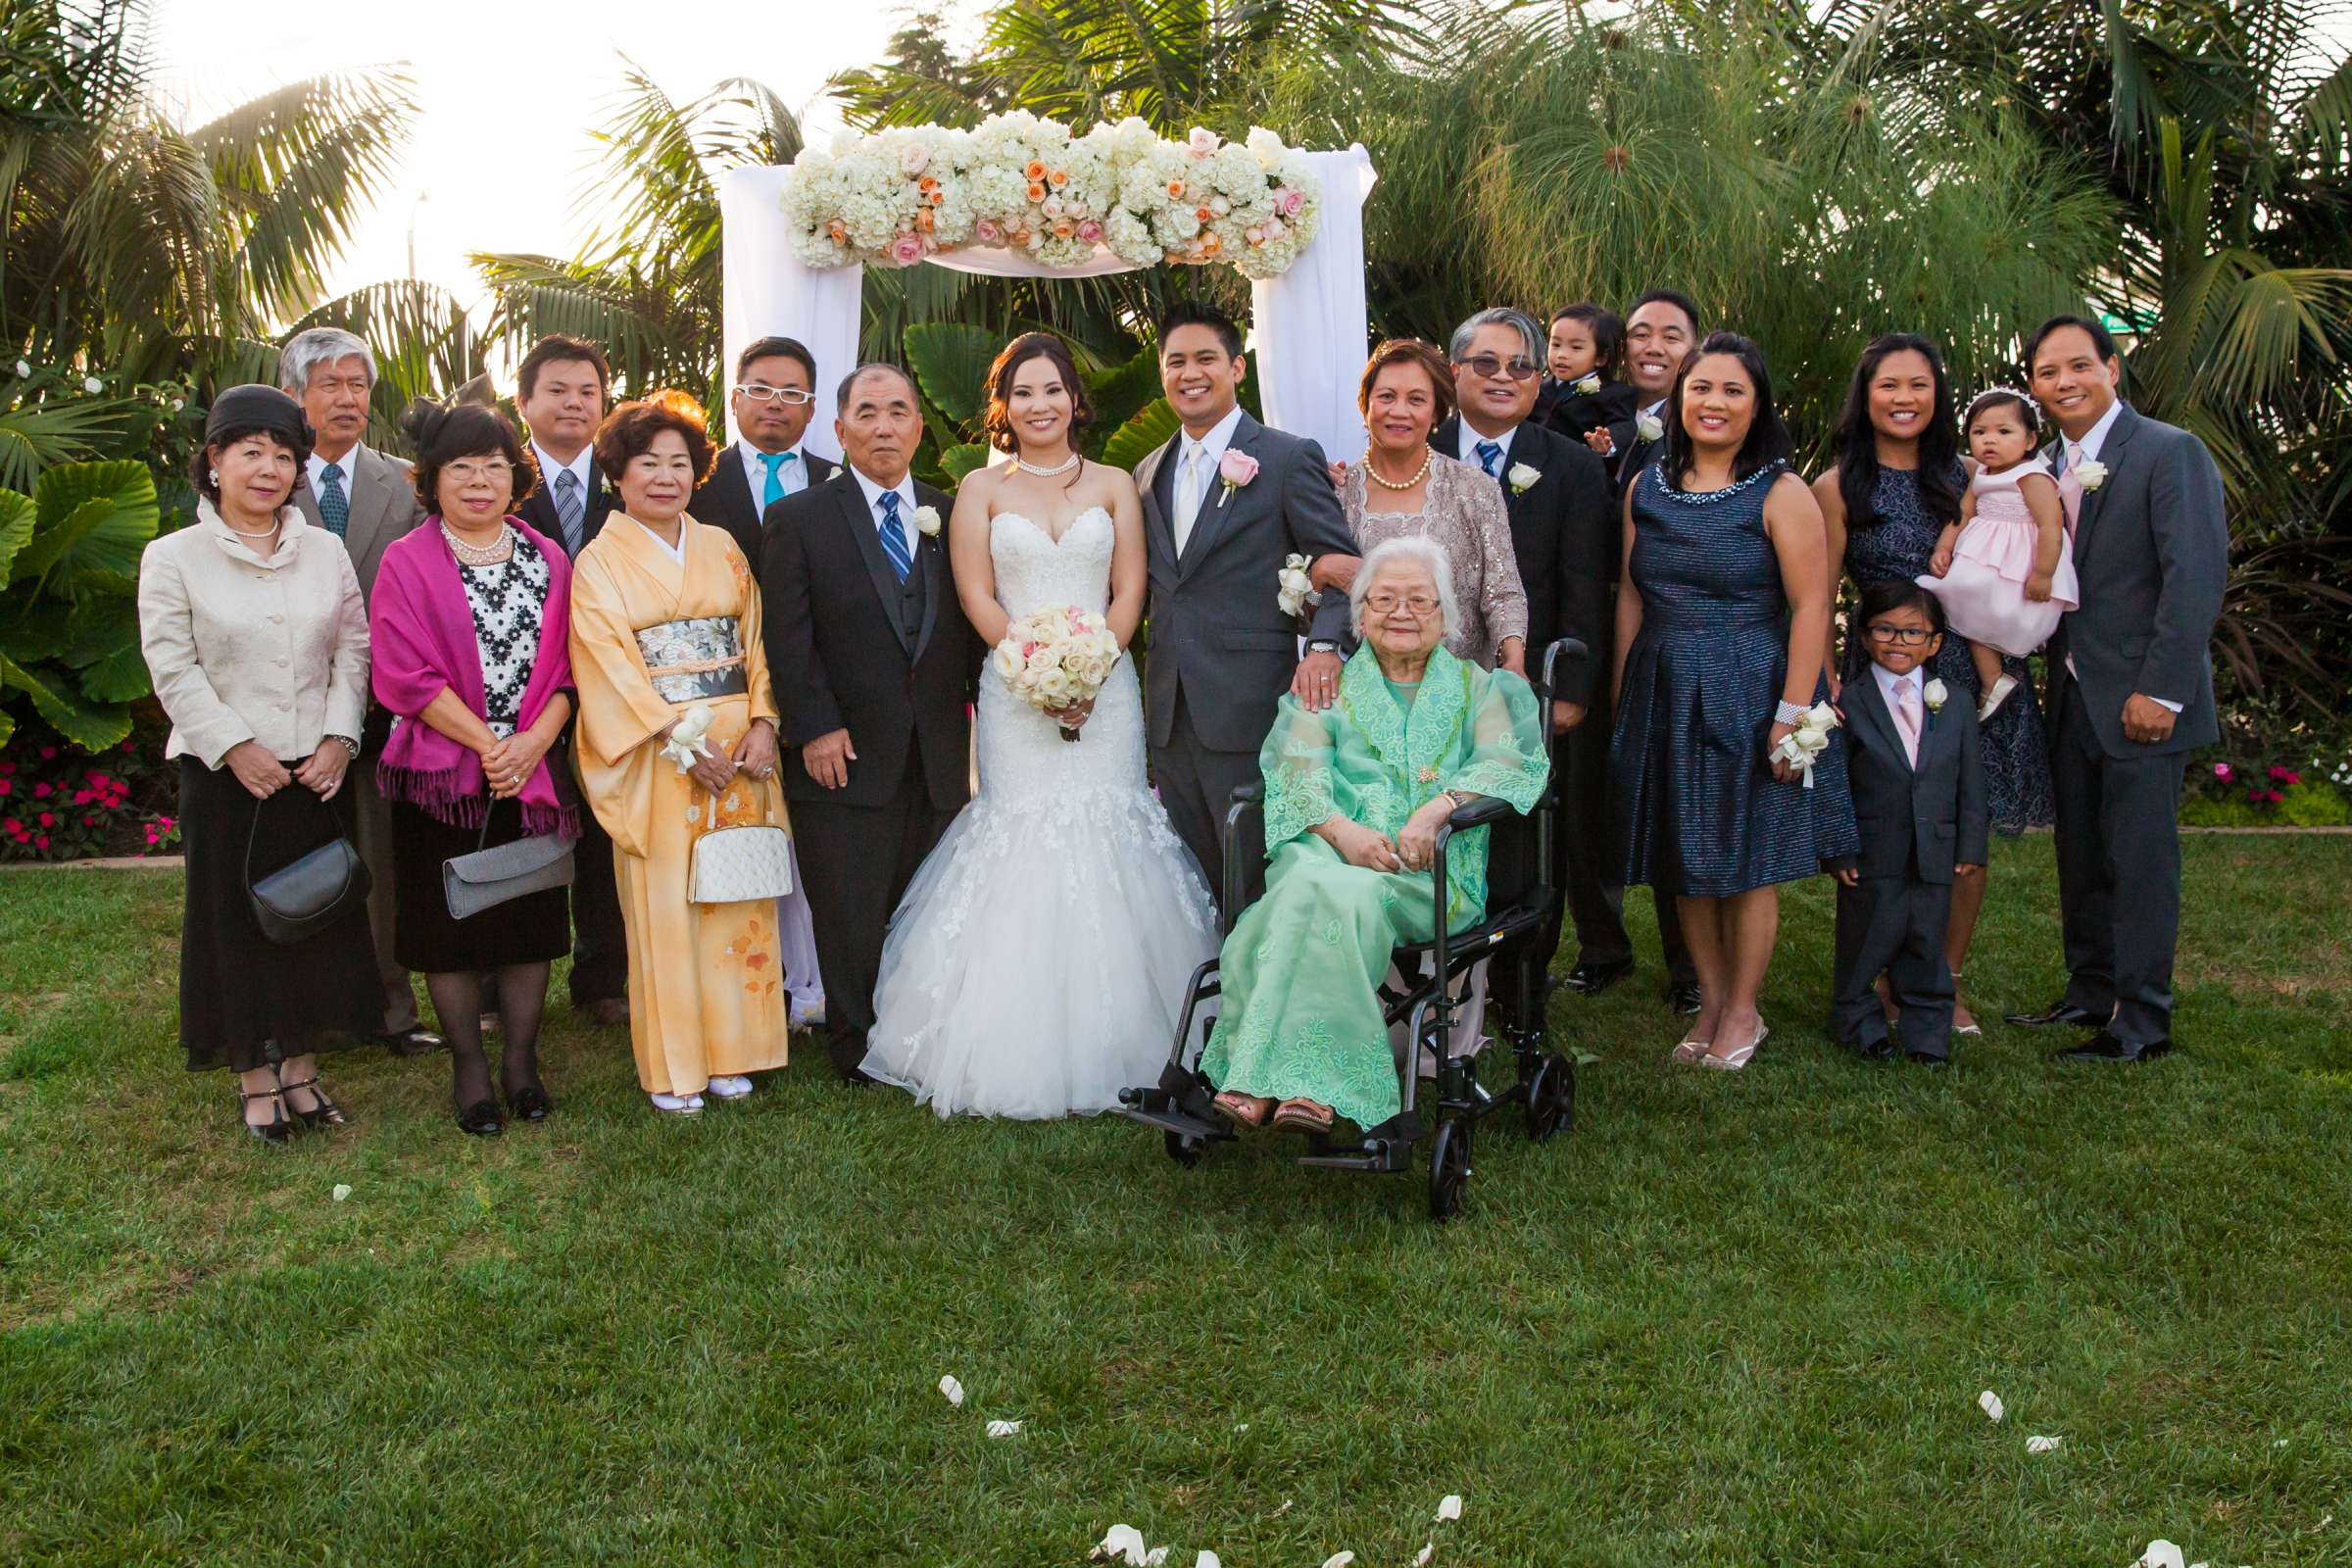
(257, 407)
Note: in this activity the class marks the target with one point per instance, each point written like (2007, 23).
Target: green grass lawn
(1731, 1319)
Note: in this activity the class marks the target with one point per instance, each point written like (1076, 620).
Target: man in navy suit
(774, 396)
(2131, 686)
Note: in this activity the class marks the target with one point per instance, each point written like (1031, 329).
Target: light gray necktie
(571, 507)
(1192, 481)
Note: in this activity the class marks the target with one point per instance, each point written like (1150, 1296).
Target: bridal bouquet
(1056, 657)
(1811, 737)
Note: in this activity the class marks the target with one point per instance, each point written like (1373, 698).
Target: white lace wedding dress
(1040, 956)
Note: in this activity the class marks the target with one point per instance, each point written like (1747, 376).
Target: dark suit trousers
(600, 941)
(856, 862)
(1595, 900)
(373, 823)
(1893, 925)
(2119, 873)
(1195, 785)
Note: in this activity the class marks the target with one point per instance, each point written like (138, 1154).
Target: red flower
(13, 826)
(89, 822)
(7, 787)
(48, 752)
(2223, 772)
(40, 791)
(41, 842)
(46, 819)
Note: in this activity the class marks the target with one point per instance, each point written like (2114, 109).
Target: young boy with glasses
(1918, 781)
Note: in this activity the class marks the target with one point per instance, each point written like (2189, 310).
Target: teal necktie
(775, 462)
(334, 506)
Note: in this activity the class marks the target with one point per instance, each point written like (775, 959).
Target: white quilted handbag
(737, 864)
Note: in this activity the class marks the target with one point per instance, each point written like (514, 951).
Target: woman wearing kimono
(665, 617)
(1355, 796)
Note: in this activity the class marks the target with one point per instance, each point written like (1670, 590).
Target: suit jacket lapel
(858, 519)
(1874, 711)
(2111, 454)
(1218, 507)
(372, 495)
(1158, 536)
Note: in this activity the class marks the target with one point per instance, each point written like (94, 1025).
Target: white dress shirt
(792, 475)
(349, 464)
(1193, 482)
(579, 466)
(873, 505)
(1469, 449)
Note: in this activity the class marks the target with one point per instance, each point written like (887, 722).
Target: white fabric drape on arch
(1310, 333)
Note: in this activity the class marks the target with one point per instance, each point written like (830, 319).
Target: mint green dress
(1300, 1018)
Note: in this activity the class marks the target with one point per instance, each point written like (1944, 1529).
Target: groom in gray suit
(2131, 686)
(1225, 501)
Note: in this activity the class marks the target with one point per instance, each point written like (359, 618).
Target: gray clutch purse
(488, 878)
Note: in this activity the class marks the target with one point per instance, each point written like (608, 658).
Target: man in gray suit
(1226, 501)
(2131, 686)
(367, 500)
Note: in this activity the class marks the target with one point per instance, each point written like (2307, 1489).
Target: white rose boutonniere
(2091, 473)
(1586, 383)
(926, 521)
(1522, 475)
(1295, 590)
(1935, 693)
(1647, 428)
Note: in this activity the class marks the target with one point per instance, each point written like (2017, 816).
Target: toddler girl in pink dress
(2004, 571)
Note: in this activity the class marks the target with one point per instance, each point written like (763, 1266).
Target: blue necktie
(775, 462)
(894, 536)
(334, 506)
(1490, 458)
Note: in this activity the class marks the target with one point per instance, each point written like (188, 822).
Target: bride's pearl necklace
(1372, 471)
(1027, 466)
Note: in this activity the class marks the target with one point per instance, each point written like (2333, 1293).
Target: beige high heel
(1737, 1060)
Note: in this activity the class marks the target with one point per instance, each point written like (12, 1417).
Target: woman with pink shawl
(471, 620)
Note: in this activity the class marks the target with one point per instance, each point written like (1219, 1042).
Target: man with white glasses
(773, 398)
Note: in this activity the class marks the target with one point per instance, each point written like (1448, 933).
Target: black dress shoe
(2057, 1012)
(2104, 1047)
(530, 1102)
(1591, 979)
(1928, 1058)
(412, 1041)
(1683, 998)
(1879, 1050)
(480, 1118)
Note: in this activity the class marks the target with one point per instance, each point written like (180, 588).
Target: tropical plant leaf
(1141, 436)
(1119, 395)
(951, 360)
(33, 437)
(90, 725)
(16, 529)
(120, 676)
(92, 517)
(958, 462)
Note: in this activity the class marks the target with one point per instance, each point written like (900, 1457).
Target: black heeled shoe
(530, 1102)
(268, 1132)
(326, 1114)
(481, 1119)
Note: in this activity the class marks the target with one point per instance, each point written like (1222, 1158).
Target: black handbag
(295, 902)
(487, 878)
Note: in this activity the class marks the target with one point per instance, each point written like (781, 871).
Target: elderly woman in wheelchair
(1354, 799)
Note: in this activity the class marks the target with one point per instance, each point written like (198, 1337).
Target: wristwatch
(1322, 644)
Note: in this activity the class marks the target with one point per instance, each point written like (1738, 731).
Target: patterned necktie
(334, 506)
(775, 462)
(1490, 458)
(894, 536)
(1190, 482)
(571, 507)
(1906, 719)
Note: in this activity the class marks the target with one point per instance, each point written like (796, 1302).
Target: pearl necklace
(1373, 473)
(489, 555)
(1027, 466)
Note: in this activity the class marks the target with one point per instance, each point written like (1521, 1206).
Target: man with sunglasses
(774, 396)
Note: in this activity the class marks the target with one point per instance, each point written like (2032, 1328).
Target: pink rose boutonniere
(1237, 469)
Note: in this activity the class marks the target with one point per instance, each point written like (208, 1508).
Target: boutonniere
(1936, 694)
(926, 521)
(2091, 473)
(1586, 383)
(1647, 428)
(1522, 475)
(1236, 468)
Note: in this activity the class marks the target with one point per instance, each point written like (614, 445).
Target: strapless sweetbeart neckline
(1039, 528)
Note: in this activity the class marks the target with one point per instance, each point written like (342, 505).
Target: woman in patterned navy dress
(1723, 626)
(1897, 482)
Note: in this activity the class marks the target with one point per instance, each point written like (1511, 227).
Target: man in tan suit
(367, 500)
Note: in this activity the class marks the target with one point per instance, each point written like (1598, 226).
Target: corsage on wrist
(1791, 713)
(1811, 737)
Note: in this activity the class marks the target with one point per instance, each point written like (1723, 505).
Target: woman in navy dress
(1897, 482)
(1724, 630)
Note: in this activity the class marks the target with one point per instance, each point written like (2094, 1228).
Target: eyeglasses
(761, 392)
(1414, 605)
(1908, 636)
(1489, 366)
(492, 468)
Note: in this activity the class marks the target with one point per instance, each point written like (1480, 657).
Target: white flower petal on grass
(1157, 1557)
(1450, 1508)
(1120, 1543)
(1338, 1559)
(2160, 1554)
(1241, 1426)
(1427, 1551)
(342, 1191)
(1990, 1404)
(2042, 1444)
(1003, 1429)
(1207, 1559)
(951, 1388)
(1279, 1512)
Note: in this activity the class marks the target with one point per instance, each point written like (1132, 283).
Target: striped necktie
(334, 506)
(1490, 458)
(894, 536)
(571, 507)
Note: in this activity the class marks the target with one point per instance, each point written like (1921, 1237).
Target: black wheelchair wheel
(1551, 1098)
(1448, 1169)
(1184, 1150)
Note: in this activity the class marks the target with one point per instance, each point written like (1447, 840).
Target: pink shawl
(421, 642)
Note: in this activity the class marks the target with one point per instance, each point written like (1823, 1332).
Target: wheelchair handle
(1553, 653)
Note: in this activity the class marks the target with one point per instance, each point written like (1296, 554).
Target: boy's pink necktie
(1906, 720)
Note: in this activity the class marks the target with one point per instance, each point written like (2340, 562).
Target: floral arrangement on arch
(897, 197)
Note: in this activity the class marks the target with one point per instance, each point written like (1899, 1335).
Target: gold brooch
(1429, 776)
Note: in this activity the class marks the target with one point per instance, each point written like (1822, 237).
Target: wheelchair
(1520, 895)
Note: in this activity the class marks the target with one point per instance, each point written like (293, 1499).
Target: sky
(519, 78)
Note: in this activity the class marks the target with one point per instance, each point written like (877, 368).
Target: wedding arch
(1022, 197)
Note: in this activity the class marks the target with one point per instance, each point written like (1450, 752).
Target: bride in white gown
(1039, 960)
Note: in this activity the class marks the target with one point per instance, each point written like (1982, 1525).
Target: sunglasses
(1488, 366)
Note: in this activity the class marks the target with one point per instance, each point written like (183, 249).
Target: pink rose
(988, 232)
(1237, 468)
(1090, 231)
(907, 249)
(913, 158)
(1202, 141)
(1290, 201)
(2223, 772)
